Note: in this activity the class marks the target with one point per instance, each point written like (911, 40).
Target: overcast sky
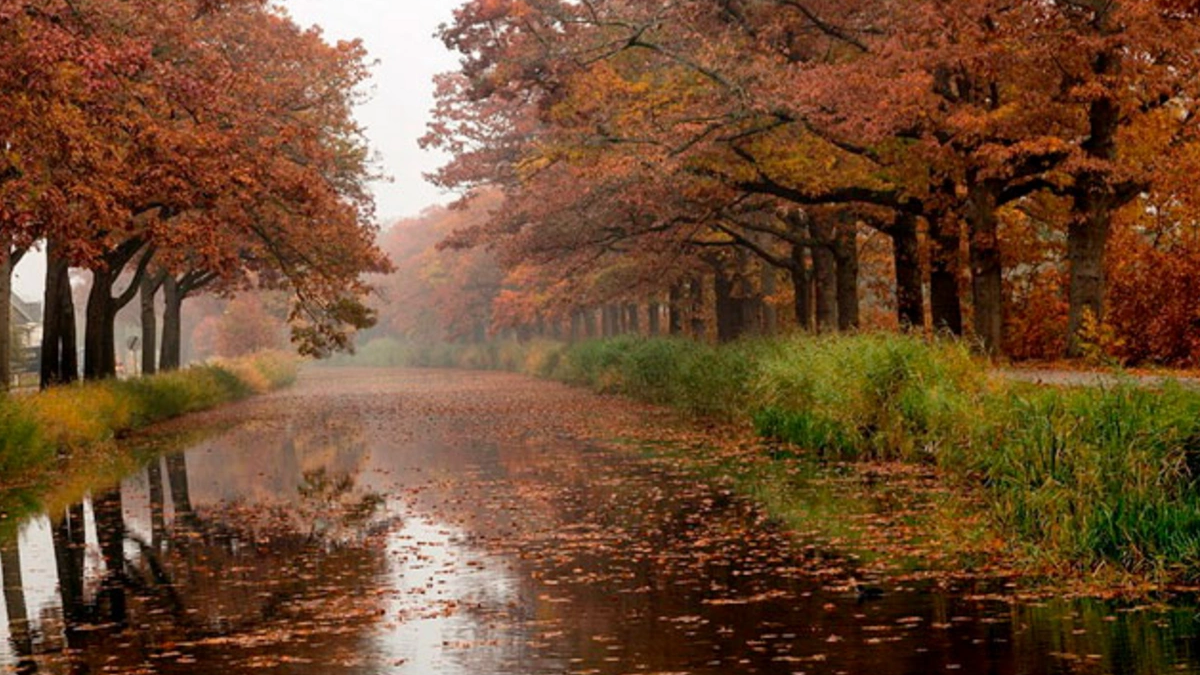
(400, 36)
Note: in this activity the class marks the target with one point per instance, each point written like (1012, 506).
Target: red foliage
(1154, 299)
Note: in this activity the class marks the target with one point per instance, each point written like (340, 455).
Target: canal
(434, 523)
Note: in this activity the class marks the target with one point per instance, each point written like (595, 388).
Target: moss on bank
(40, 430)
(1081, 478)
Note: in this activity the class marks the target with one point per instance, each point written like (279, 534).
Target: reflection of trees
(69, 544)
(110, 529)
(158, 523)
(1142, 642)
(181, 498)
(227, 580)
(330, 506)
(14, 602)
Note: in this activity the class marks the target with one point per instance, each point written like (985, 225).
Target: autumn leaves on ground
(913, 454)
(1014, 175)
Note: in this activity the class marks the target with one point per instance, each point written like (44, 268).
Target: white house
(27, 330)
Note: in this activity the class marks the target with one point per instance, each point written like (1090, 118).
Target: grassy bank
(40, 430)
(1083, 478)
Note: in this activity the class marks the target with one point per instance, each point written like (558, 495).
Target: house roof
(25, 312)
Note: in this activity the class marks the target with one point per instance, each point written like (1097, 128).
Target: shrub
(22, 444)
(869, 396)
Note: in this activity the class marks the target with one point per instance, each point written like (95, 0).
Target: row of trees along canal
(998, 149)
(179, 147)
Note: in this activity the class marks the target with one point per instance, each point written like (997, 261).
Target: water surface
(449, 525)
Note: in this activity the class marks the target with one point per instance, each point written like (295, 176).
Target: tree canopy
(1007, 149)
(211, 144)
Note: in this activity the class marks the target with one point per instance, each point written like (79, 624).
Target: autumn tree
(208, 142)
(612, 125)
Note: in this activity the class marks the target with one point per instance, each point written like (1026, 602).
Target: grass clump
(1098, 475)
(869, 396)
(698, 378)
(22, 443)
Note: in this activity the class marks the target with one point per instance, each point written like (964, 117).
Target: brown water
(446, 525)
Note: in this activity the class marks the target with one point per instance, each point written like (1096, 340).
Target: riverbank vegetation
(64, 424)
(1073, 478)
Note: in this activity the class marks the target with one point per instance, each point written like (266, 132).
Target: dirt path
(1078, 378)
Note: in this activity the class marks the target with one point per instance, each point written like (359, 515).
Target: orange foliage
(1035, 317)
(1154, 299)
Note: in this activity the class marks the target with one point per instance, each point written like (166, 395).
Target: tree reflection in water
(14, 603)
(223, 587)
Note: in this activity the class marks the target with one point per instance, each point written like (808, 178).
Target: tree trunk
(654, 318)
(99, 347)
(802, 286)
(99, 340)
(944, 267)
(770, 316)
(986, 272)
(606, 322)
(696, 310)
(846, 253)
(825, 282)
(60, 356)
(172, 328)
(150, 285)
(633, 320)
(6, 328)
(906, 252)
(589, 323)
(729, 311)
(675, 310)
(1086, 243)
(1094, 202)
(576, 326)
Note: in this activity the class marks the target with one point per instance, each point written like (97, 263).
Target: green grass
(37, 431)
(1074, 478)
(1098, 475)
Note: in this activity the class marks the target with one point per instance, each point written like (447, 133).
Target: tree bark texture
(802, 286)
(906, 253)
(1094, 201)
(675, 310)
(6, 328)
(986, 272)
(696, 309)
(945, 264)
(729, 310)
(99, 340)
(148, 292)
(60, 356)
(825, 286)
(172, 326)
(846, 253)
